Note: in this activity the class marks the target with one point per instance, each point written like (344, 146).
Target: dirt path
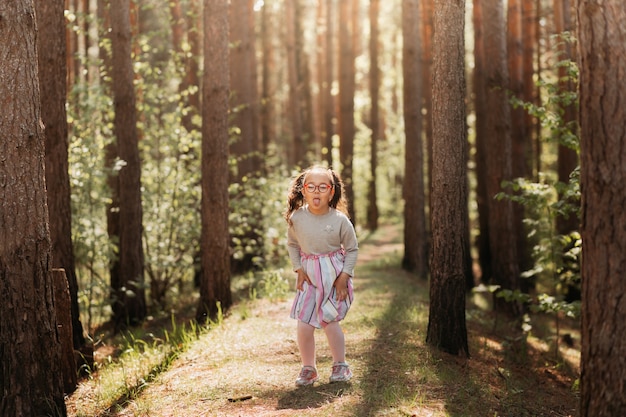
(247, 367)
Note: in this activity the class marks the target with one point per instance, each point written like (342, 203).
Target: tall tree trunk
(244, 99)
(502, 237)
(215, 290)
(192, 63)
(300, 146)
(52, 85)
(603, 173)
(268, 131)
(320, 77)
(519, 139)
(184, 23)
(31, 382)
(567, 157)
(372, 205)
(110, 157)
(329, 102)
(446, 325)
(304, 79)
(129, 304)
(426, 14)
(529, 37)
(415, 239)
(480, 112)
(346, 101)
(538, 148)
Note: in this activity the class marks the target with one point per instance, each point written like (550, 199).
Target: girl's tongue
(316, 201)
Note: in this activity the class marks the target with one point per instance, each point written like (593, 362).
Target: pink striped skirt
(317, 304)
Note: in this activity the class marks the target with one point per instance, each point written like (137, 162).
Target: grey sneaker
(308, 376)
(341, 372)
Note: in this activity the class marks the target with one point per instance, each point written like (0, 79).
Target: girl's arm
(350, 246)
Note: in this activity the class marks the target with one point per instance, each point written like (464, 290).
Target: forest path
(247, 365)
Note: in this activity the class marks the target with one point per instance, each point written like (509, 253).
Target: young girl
(323, 250)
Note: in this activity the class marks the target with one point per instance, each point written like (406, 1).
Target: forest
(147, 150)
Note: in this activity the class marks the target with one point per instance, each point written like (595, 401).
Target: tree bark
(30, 374)
(268, 131)
(519, 139)
(61, 296)
(426, 15)
(329, 102)
(129, 304)
(480, 128)
(446, 325)
(567, 156)
(215, 290)
(415, 239)
(603, 174)
(372, 205)
(244, 98)
(347, 88)
(299, 155)
(502, 237)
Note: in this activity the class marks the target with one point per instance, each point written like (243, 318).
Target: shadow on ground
(313, 396)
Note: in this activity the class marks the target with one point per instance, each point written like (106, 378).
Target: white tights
(306, 342)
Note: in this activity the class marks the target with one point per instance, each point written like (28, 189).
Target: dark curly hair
(295, 198)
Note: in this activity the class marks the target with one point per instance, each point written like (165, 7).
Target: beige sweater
(321, 234)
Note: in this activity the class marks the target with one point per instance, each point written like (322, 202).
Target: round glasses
(322, 188)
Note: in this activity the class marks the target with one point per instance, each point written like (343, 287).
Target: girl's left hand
(341, 286)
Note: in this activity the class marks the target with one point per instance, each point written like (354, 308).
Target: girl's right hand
(302, 278)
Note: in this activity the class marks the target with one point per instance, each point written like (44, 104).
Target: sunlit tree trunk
(215, 293)
(192, 64)
(31, 382)
(372, 205)
(603, 173)
(52, 85)
(300, 144)
(304, 76)
(446, 325)
(185, 31)
(320, 77)
(415, 239)
(329, 101)
(244, 97)
(346, 101)
(502, 237)
(268, 130)
(127, 280)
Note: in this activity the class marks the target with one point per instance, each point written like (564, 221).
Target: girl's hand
(302, 278)
(341, 286)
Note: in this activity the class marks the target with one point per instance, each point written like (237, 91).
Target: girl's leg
(336, 341)
(306, 343)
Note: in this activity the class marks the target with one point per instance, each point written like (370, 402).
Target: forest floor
(247, 365)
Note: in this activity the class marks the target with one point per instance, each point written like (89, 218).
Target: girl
(323, 249)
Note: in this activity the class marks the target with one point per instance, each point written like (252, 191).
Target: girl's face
(318, 191)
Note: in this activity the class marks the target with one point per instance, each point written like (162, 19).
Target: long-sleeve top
(315, 234)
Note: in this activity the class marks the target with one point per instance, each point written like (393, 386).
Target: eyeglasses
(322, 188)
